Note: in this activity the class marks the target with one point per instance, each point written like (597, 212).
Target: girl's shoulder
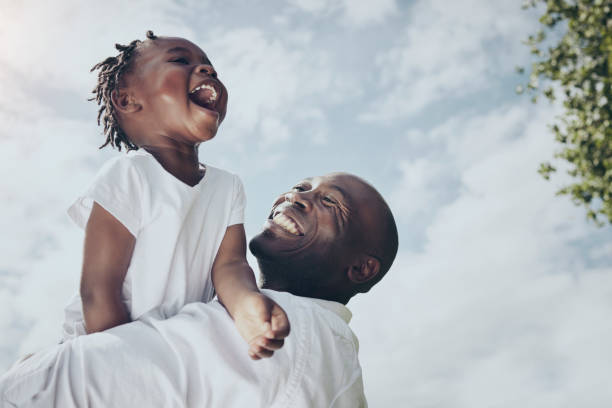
(120, 187)
(136, 159)
(123, 168)
(223, 180)
(140, 167)
(220, 174)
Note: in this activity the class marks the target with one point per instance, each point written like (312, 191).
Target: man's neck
(276, 277)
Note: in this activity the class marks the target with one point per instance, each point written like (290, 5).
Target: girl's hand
(262, 323)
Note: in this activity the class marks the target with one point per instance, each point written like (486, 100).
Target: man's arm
(194, 358)
(107, 253)
(260, 321)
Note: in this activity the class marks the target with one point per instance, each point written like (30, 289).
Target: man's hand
(262, 323)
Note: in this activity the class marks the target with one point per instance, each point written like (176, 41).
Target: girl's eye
(181, 60)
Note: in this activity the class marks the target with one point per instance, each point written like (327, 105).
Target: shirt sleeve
(238, 203)
(116, 187)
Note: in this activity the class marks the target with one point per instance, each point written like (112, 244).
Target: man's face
(311, 226)
(178, 89)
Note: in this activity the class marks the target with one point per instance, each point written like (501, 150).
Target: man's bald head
(375, 229)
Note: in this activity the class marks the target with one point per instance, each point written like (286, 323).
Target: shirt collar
(335, 307)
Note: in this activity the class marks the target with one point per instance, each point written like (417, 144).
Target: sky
(501, 294)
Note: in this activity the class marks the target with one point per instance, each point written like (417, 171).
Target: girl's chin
(211, 122)
(207, 132)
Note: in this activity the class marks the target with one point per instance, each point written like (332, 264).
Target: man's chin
(258, 246)
(268, 245)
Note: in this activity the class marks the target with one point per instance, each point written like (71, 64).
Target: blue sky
(501, 293)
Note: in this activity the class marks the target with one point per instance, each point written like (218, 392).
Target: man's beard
(298, 278)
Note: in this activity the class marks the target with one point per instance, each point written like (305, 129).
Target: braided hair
(109, 80)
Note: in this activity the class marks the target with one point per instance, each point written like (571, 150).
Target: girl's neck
(182, 163)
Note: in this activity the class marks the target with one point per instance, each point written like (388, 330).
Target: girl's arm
(260, 321)
(107, 254)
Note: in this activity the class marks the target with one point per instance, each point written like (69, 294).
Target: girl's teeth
(213, 92)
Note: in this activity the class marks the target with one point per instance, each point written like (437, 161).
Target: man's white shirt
(197, 358)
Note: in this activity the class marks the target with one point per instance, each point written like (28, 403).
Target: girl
(161, 228)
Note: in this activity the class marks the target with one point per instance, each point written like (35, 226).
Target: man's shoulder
(326, 361)
(320, 325)
(328, 313)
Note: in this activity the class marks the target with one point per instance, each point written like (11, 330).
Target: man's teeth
(286, 223)
(213, 91)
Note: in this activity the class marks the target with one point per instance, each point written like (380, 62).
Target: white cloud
(445, 52)
(280, 88)
(422, 184)
(499, 309)
(431, 177)
(266, 75)
(315, 121)
(353, 12)
(45, 161)
(314, 6)
(362, 12)
(35, 43)
(273, 131)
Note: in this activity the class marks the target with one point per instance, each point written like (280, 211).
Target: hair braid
(109, 79)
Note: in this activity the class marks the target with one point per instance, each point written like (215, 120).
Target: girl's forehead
(165, 45)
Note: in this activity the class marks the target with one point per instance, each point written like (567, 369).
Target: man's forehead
(347, 184)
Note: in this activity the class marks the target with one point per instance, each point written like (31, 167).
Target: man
(325, 240)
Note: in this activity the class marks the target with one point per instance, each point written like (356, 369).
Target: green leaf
(579, 65)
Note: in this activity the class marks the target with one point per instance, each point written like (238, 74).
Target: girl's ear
(124, 102)
(364, 270)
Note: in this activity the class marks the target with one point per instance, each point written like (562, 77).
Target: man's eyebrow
(340, 190)
(304, 181)
(188, 51)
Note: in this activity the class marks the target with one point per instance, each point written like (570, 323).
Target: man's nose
(298, 199)
(207, 69)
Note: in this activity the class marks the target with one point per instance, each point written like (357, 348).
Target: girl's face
(177, 91)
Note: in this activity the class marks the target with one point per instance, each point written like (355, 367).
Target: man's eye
(181, 61)
(329, 199)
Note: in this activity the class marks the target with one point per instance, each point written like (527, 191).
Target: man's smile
(287, 223)
(282, 217)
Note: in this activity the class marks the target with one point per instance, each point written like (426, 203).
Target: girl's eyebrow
(188, 51)
(179, 49)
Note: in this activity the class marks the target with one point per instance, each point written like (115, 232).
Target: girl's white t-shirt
(178, 230)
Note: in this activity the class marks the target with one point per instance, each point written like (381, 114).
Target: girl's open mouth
(206, 95)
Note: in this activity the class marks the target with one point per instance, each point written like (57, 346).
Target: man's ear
(366, 269)
(124, 102)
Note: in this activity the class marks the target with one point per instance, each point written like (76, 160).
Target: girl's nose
(207, 69)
